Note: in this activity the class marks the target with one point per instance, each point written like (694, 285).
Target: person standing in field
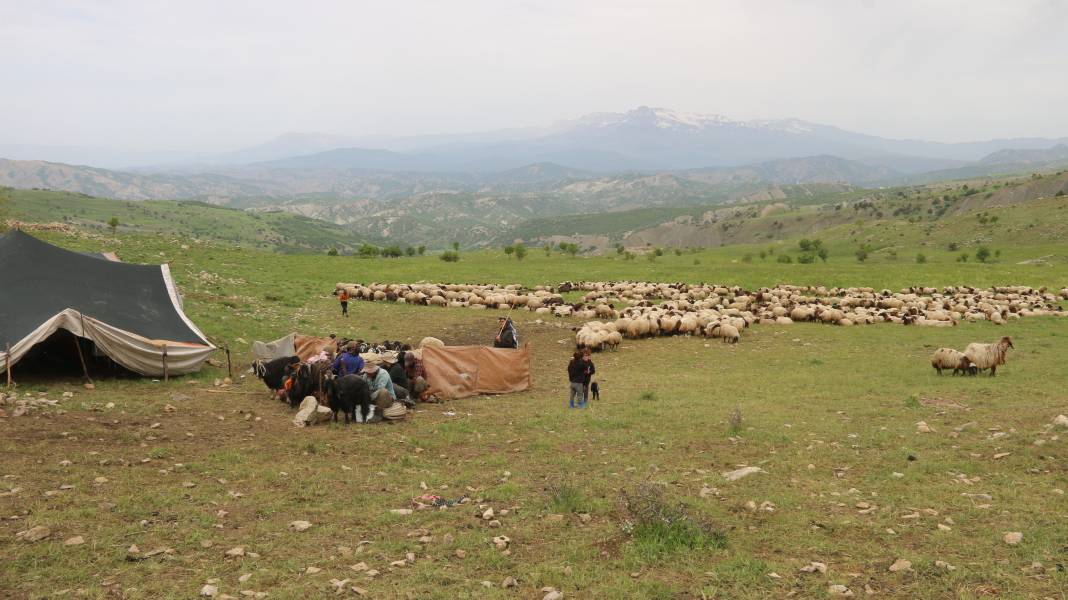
(579, 371)
(507, 336)
(343, 297)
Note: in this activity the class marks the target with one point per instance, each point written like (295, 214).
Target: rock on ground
(740, 473)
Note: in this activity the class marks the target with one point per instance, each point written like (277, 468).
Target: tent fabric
(277, 349)
(463, 371)
(131, 312)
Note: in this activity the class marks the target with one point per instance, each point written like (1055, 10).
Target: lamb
(948, 358)
(989, 356)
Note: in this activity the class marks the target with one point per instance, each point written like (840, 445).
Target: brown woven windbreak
(463, 371)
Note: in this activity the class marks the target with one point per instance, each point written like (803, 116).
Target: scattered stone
(814, 567)
(501, 542)
(742, 472)
(313, 570)
(509, 582)
(552, 594)
(74, 541)
(401, 511)
(1013, 538)
(1001, 455)
(923, 427)
(941, 564)
(839, 590)
(460, 553)
(898, 475)
(901, 564)
(100, 480)
(1061, 421)
(300, 525)
(774, 575)
(488, 514)
(236, 551)
(34, 534)
(209, 590)
(358, 567)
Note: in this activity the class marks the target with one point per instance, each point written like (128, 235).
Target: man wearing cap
(507, 336)
(382, 392)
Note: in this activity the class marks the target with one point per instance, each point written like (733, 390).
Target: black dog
(596, 391)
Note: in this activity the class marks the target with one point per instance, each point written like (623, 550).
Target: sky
(220, 75)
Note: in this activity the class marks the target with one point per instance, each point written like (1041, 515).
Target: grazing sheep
(948, 358)
(989, 356)
(728, 332)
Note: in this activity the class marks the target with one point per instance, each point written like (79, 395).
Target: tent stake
(229, 367)
(7, 361)
(81, 358)
(166, 373)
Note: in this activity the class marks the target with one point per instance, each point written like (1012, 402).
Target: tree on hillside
(331, 252)
(823, 253)
(456, 246)
(620, 249)
(520, 251)
(3, 211)
(113, 223)
(982, 254)
(409, 251)
(509, 250)
(569, 248)
(392, 252)
(862, 253)
(368, 251)
(421, 250)
(921, 258)
(450, 256)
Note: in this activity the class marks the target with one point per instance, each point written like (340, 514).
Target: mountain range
(474, 186)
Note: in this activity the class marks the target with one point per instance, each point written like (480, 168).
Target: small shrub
(912, 402)
(963, 258)
(982, 254)
(697, 261)
(450, 256)
(331, 252)
(784, 259)
(862, 254)
(660, 529)
(647, 396)
(748, 258)
(734, 421)
(921, 258)
(678, 251)
(566, 498)
(953, 246)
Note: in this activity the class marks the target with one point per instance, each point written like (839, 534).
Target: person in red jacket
(343, 297)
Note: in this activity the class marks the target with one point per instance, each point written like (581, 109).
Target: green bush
(982, 254)
(332, 252)
(921, 258)
(450, 256)
(784, 259)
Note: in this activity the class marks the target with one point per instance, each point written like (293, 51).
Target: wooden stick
(7, 361)
(229, 367)
(166, 372)
(85, 369)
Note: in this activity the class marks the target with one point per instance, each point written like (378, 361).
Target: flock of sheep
(629, 309)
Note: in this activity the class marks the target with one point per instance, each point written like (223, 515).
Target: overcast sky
(223, 74)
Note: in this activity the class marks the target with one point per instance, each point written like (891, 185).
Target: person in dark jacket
(579, 372)
(507, 336)
(348, 362)
(400, 380)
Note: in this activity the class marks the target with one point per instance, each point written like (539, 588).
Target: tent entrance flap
(463, 371)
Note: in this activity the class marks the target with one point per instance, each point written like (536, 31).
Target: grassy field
(828, 413)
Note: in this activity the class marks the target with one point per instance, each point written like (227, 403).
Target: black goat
(273, 372)
(344, 393)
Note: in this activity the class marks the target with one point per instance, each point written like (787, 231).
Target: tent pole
(81, 358)
(166, 373)
(229, 367)
(7, 361)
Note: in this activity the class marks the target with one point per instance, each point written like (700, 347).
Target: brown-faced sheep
(989, 356)
(728, 332)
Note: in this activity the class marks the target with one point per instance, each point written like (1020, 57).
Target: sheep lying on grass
(989, 356)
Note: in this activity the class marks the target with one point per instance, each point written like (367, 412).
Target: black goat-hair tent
(132, 313)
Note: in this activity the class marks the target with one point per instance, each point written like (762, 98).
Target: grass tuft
(660, 529)
(566, 498)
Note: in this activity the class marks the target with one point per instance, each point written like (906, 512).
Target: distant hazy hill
(279, 231)
(1058, 153)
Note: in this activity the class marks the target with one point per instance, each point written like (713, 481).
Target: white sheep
(989, 356)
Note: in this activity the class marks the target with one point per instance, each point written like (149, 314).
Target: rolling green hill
(275, 231)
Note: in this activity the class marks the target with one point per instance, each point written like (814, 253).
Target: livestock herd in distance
(626, 309)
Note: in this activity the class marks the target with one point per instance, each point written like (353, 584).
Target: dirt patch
(944, 403)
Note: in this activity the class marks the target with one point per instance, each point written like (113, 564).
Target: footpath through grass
(828, 413)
